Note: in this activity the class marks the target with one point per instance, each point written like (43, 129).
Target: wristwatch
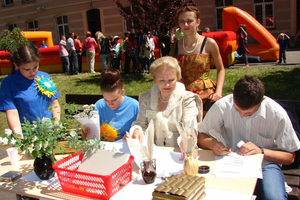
(262, 150)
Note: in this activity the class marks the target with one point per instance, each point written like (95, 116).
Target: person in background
(132, 51)
(206, 30)
(282, 40)
(242, 41)
(72, 55)
(43, 45)
(264, 127)
(115, 49)
(146, 55)
(89, 43)
(194, 53)
(20, 94)
(111, 42)
(168, 104)
(78, 48)
(124, 48)
(151, 45)
(165, 43)
(103, 48)
(115, 108)
(63, 54)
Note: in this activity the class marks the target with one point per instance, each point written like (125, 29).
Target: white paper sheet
(212, 194)
(93, 123)
(167, 163)
(32, 177)
(236, 166)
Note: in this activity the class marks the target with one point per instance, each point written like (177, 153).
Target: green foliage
(10, 40)
(42, 136)
(153, 15)
(85, 146)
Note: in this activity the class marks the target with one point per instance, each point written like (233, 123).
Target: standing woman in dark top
(103, 48)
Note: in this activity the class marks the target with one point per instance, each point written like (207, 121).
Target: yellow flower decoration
(45, 86)
(108, 132)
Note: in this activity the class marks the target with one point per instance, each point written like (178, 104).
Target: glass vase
(43, 167)
(148, 169)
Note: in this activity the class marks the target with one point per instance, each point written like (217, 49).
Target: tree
(155, 15)
(10, 40)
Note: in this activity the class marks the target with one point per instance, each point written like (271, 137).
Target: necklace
(163, 100)
(194, 47)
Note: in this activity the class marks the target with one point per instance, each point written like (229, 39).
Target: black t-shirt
(104, 46)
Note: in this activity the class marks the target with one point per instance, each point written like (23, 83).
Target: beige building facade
(64, 16)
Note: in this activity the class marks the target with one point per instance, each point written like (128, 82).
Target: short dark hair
(111, 80)
(249, 91)
(243, 26)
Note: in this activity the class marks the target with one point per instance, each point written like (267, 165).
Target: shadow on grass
(128, 78)
(283, 84)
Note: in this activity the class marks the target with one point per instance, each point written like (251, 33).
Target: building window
(10, 27)
(220, 4)
(128, 23)
(33, 26)
(62, 26)
(264, 12)
(24, 1)
(7, 2)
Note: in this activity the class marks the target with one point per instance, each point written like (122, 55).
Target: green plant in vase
(39, 140)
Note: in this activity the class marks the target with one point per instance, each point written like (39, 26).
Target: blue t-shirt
(18, 92)
(43, 46)
(120, 118)
(283, 43)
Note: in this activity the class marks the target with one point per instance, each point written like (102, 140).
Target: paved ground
(293, 59)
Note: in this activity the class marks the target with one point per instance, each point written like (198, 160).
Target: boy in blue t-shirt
(282, 40)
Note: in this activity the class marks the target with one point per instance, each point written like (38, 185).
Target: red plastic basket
(87, 184)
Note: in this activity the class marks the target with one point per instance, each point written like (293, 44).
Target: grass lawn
(280, 83)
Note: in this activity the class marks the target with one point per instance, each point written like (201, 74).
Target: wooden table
(30, 189)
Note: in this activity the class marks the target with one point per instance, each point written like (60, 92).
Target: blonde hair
(166, 61)
(99, 36)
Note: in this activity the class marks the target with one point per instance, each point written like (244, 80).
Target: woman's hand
(215, 97)
(137, 134)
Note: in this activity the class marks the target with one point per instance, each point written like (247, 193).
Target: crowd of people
(183, 95)
(138, 49)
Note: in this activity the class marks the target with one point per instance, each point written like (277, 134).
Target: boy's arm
(286, 35)
(204, 141)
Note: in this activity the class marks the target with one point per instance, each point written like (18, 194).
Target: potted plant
(41, 142)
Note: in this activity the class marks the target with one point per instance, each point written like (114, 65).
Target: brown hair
(75, 35)
(26, 54)
(88, 34)
(185, 9)
(111, 80)
(248, 92)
